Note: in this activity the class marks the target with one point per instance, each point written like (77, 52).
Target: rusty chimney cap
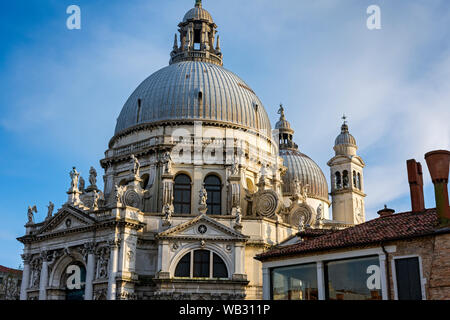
(438, 164)
(386, 212)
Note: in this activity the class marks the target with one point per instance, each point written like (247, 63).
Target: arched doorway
(74, 281)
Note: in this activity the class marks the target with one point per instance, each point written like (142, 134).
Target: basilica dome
(194, 90)
(306, 171)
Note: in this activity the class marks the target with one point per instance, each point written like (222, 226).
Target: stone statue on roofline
(93, 177)
(30, 214)
(50, 207)
(74, 176)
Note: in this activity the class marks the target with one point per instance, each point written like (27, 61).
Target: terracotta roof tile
(9, 270)
(397, 226)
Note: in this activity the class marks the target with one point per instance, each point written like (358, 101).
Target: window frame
(423, 280)
(210, 199)
(191, 252)
(183, 204)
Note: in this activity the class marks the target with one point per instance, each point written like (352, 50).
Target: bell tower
(347, 179)
(197, 38)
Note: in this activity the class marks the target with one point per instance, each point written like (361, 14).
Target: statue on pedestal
(30, 213)
(95, 201)
(50, 207)
(81, 184)
(167, 160)
(135, 165)
(118, 193)
(74, 176)
(203, 196)
(93, 177)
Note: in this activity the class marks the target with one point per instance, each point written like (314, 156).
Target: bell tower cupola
(197, 33)
(347, 179)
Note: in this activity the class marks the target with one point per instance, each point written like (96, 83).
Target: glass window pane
(295, 282)
(201, 263)
(183, 267)
(219, 267)
(353, 279)
(182, 194)
(408, 279)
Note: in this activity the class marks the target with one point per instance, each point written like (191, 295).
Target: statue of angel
(30, 213)
(118, 193)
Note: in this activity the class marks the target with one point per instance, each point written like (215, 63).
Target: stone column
(88, 293)
(163, 262)
(239, 273)
(320, 280)
(44, 277)
(114, 245)
(384, 293)
(25, 276)
(266, 283)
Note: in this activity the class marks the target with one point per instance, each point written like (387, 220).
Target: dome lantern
(285, 132)
(197, 36)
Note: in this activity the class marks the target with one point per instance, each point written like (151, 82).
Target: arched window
(205, 264)
(213, 187)
(345, 179)
(354, 179)
(182, 194)
(338, 180)
(359, 181)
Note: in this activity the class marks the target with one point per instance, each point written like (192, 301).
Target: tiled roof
(4, 269)
(395, 227)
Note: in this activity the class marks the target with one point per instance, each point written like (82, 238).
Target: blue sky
(62, 90)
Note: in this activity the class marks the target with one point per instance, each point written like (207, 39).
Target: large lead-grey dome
(194, 90)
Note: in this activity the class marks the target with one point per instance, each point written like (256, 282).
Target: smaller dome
(198, 13)
(306, 171)
(345, 137)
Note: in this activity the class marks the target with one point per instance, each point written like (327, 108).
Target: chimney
(386, 212)
(415, 185)
(438, 164)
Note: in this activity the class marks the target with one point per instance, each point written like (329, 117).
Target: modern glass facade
(295, 282)
(344, 279)
(353, 279)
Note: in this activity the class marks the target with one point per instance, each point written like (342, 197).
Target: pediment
(67, 218)
(202, 227)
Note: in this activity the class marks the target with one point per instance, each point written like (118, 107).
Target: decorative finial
(218, 44)
(344, 127)
(198, 3)
(175, 42)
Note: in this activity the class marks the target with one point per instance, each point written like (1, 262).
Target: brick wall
(435, 255)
